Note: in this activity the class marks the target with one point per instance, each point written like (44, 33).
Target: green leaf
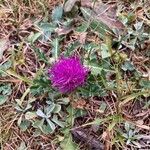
(19, 108)
(94, 68)
(147, 105)
(4, 67)
(30, 115)
(111, 125)
(86, 12)
(38, 124)
(68, 144)
(13, 73)
(98, 27)
(46, 129)
(22, 146)
(3, 99)
(28, 107)
(132, 96)
(49, 109)
(83, 27)
(57, 13)
(128, 66)
(71, 47)
(145, 84)
(80, 113)
(97, 121)
(41, 54)
(64, 100)
(138, 25)
(127, 126)
(55, 50)
(34, 36)
(71, 116)
(105, 51)
(57, 108)
(103, 106)
(24, 125)
(37, 133)
(41, 85)
(51, 124)
(97, 68)
(46, 29)
(40, 113)
(58, 122)
(19, 120)
(5, 89)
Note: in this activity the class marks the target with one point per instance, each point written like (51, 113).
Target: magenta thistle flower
(67, 74)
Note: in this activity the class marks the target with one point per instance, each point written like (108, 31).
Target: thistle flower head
(67, 74)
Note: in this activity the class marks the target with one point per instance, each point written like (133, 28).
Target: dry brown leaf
(140, 125)
(104, 13)
(140, 13)
(145, 113)
(85, 137)
(82, 37)
(143, 126)
(108, 140)
(3, 46)
(63, 31)
(27, 23)
(81, 104)
(104, 135)
(69, 5)
(140, 122)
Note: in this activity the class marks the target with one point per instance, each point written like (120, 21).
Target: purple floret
(67, 74)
